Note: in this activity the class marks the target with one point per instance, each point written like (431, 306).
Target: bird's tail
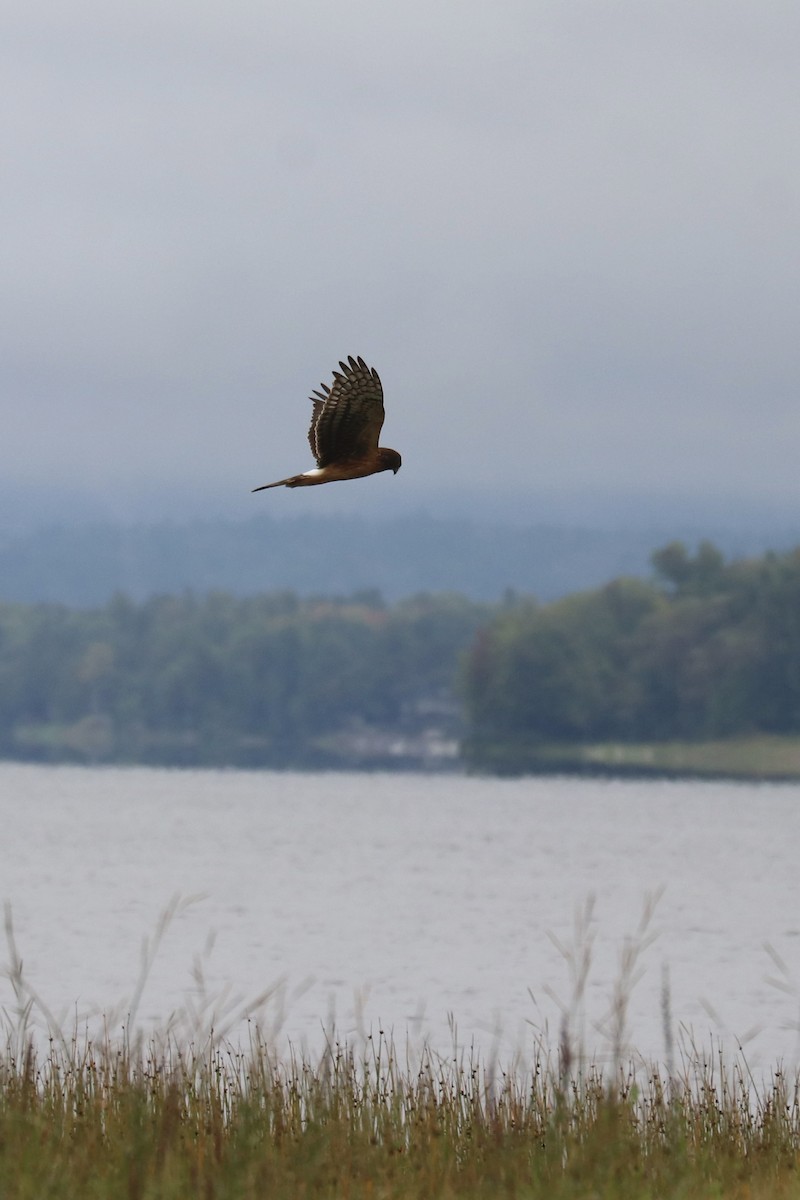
(290, 481)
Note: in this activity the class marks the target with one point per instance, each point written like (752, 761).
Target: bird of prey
(345, 423)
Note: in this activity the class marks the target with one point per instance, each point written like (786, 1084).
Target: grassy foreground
(164, 1121)
(189, 1113)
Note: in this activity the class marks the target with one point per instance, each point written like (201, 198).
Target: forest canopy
(271, 680)
(705, 649)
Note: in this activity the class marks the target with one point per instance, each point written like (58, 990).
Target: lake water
(409, 903)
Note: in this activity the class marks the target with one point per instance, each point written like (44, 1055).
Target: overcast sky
(567, 234)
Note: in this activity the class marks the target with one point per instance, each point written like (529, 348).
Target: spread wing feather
(346, 418)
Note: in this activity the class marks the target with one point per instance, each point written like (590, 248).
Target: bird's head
(390, 460)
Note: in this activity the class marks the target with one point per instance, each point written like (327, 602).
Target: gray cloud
(566, 233)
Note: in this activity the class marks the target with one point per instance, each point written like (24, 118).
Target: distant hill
(84, 564)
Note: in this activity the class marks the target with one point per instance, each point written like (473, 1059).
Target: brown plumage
(346, 422)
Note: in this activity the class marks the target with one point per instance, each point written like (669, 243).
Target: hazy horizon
(77, 553)
(27, 508)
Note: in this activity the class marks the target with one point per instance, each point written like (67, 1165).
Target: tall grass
(196, 1114)
(163, 1120)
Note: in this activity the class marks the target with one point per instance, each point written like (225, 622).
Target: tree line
(273, 680)
(704, 649)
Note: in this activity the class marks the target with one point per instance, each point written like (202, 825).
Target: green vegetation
(272, 680)
(163, 1122)
(763, 756)
(187, 1113)
(634, 674)
(697, 670)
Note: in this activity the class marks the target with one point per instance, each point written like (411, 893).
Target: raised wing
(347, 417)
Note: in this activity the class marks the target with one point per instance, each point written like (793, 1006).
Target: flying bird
(346, 421)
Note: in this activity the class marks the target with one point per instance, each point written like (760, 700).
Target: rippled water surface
(409, 902)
